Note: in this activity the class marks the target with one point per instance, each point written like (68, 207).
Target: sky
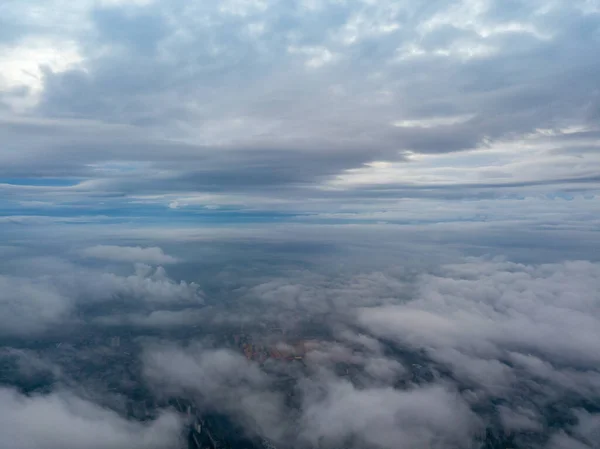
(346, 112)
(426, 175)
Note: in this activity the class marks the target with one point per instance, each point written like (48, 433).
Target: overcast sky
(252, 111)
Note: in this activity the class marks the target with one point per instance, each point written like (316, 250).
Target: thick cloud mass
(62, 421)
(333, 411)
(520, 335)
(383, 417)
(472, 314)
(473, 353)
(30, 306)
(33, 304)
(584, 435)
(224, 381)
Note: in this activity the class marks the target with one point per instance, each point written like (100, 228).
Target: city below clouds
(299, 224)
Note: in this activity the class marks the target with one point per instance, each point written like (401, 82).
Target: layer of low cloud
(63, 421)
(133, 254)
(479, 312)
(583, 435)
(29, 306)
(431, 417)
(481, 330)
(56, 289)
(333, 410)
(221, 380)
(414, 355)
(522, 334)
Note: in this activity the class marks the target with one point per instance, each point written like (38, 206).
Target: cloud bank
(238, 111)
(61, 420)
(56, 292)
(133, 254)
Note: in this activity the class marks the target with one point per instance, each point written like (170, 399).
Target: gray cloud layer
(260, 103)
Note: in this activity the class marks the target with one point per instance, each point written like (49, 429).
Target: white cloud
(242, 8)
(431, 417)
(63, 421)
(157, 319)
(493, 321)
(316, 56)
(146, 285)
(126, 2)
(432, 122)
(333, 411)
(23, 65)
(220, 380)
(54, 289)
(132, 254)
(30, 306)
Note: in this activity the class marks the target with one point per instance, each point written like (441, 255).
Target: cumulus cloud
(432, 356)
(503, 327)
(430, 417)
(157, 319)
(30, 306)
(133, 254)
(55, 290)
(147, 284)
(61, 421)
(333, 411)
(494, 344)
(221, 380)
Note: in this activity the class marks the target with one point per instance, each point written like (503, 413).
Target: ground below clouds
(479, 353)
